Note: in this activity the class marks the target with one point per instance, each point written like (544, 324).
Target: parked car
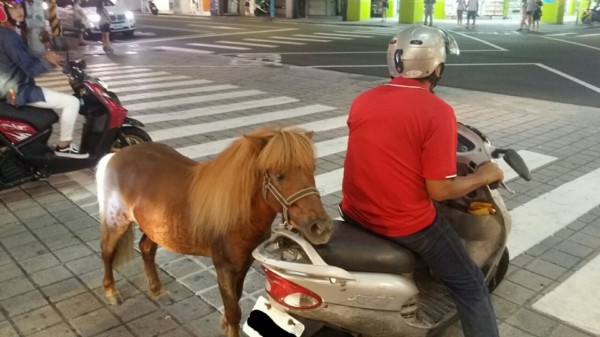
(121, 19)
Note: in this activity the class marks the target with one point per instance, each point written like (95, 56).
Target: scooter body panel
(393, 304)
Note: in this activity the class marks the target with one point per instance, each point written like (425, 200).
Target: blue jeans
(442, 251)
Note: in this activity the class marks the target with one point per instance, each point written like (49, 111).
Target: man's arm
(440, 190)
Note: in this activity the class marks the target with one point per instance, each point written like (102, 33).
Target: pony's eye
(279, 176)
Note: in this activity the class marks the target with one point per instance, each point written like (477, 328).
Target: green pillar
(553, 11)
(359, 10)
(391, 8)
(439, 9)
(411, 11)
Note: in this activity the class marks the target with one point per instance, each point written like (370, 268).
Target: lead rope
(285, 203)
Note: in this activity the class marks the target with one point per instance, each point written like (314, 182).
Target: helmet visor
(451, 45)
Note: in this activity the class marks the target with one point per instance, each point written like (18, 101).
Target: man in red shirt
(402, 155)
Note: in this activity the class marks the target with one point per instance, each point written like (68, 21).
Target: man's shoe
(70, 151)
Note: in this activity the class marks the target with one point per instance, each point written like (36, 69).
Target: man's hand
(490, 173)
(53, 58)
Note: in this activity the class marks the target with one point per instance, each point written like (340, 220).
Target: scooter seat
(39, 118)
(356, 249)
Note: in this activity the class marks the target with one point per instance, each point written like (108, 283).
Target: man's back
(400, 134)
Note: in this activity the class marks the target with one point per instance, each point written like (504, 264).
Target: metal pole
(53, 18)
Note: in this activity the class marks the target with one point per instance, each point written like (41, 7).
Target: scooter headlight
(129, 15)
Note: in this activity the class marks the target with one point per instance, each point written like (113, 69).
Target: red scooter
(24, 132)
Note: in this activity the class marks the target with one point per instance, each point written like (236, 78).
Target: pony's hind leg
(117, 247)
(148, 249)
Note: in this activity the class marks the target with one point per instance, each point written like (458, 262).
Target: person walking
(537, 15)
(19, 67)
(104, 25)
(384, 9)
(460, 9)
(390, 189)
(80, 20)
(523, 15)
(472, 8)
(429, 4)
(531, 6)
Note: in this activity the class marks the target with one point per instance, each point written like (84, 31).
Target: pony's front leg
(148, 249)
(231, 283)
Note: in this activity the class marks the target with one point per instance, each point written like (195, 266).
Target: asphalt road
(558, 64)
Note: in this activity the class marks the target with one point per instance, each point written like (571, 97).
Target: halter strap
(285, 203)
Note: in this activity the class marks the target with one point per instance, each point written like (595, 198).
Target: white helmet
(416, 51)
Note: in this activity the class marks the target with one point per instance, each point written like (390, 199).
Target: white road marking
(156, 94)
(344, 35)
(232, 123)
(546, 214)
(216, 109)
(248, 44)
(281, 42)
(139, 86)
(576, 299)
(215, 27)
(186, 50)
(482, 41)
(324, 37)
(571, 42)
(217, 46)
(297, 39)
(170, 103)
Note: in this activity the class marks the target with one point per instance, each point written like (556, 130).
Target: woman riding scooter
(18, 68)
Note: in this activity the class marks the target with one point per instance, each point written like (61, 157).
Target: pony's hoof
(115, 299)
(155, 294)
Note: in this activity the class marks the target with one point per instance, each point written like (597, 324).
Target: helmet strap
(435, 78)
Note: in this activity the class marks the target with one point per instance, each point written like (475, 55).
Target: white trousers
(66, 106)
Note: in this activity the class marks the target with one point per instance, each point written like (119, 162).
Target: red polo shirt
(400, 136)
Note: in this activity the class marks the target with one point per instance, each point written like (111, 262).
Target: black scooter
(152, 7)
(262, 8)
(24, 132)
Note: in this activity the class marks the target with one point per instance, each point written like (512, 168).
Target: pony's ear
(309, 134)
(258, 141)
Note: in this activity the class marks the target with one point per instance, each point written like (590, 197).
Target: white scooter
(367, 285)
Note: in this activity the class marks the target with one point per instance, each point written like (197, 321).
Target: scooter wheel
(132, 135)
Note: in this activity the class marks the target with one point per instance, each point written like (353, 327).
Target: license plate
(266, 321)
(117, 26)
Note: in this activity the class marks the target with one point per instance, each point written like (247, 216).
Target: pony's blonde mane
(222, 190)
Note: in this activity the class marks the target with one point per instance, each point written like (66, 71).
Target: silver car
(121, 19)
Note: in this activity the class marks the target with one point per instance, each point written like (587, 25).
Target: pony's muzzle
(319, 232)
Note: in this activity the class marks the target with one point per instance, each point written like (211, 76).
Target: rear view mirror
(514, 160)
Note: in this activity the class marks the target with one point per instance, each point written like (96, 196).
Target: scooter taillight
(117, 111)
(288, 293)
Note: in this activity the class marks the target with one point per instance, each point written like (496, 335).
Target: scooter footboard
(368, 322)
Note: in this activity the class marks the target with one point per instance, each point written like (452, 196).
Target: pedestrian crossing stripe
(532, 221)
(179, 49)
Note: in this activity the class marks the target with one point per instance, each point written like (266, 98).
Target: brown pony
(222, 208)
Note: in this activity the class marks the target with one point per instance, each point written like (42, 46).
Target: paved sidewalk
(50, 269)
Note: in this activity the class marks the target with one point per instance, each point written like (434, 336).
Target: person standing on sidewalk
(429, 4)
(472, 8)
(460, 9)
(104, 25)
(80, 21)
(390, 189)
(384, 8)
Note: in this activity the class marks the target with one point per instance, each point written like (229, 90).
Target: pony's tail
(123, 252)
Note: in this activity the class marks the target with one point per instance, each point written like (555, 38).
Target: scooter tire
(500, 271)
(133, 135)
